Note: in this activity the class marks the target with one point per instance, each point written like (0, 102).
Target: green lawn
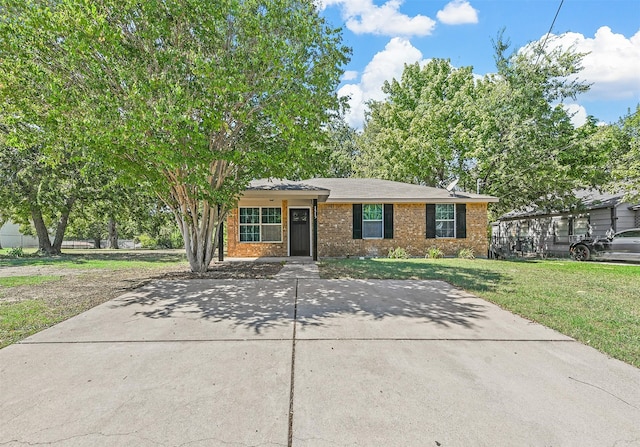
(102, 259)
(595, 303)
(14, 281)
(22, 317)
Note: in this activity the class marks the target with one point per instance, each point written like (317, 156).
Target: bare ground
(82, 289)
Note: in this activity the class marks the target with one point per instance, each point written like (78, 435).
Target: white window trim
(381, 221)
(260, 224)
(455, 224)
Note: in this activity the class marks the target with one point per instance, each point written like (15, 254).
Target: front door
(299, 234)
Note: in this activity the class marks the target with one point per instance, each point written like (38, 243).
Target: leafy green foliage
(340, 150)
(15, 252)
(625, 160)
(434, 253)
(398, 253)
(466, 253)
(507, 132)
(419, 134)
(195, 98)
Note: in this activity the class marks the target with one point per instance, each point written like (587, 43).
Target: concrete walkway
(301, 269)
(311, 362)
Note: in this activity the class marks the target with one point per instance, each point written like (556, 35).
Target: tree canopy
(195, 98)
(507, 132)
(625, 159)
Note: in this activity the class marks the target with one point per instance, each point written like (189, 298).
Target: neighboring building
(542, 233)
(10, 237)
(341, 217)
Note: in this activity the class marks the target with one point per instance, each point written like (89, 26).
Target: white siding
(626, 217)
(11, 237)
(600, 221)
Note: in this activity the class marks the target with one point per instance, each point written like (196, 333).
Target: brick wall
(235, 248)
(335, 238)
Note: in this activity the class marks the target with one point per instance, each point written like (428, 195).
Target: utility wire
(549, 32)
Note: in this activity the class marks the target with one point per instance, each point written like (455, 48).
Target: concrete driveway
(310, 362)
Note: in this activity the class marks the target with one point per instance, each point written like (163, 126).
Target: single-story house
(342, 217)
(544, 233)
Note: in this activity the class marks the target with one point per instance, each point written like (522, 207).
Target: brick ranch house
(341, 217)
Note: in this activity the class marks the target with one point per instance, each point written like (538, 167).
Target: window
(581, 226)
(372, 221)
(260, 224)
(372, 227)
(562, 230)
(445, 220)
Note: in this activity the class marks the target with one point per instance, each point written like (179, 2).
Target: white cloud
(612, 65)
(384, 66)
(364, 17)
(577, 112)
(458, 12)
(349, 75)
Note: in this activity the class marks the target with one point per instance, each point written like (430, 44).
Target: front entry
(299, 234)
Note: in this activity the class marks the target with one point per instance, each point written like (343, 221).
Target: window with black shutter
(446, 220)
(357, 221)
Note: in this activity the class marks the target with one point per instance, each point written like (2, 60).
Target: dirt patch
(231, 270)
(83, 289)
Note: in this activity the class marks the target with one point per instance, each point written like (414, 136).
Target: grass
(15, 281)
(85, 259)
(595, 303)
(21, 319)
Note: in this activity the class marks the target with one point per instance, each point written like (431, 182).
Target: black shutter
(388, 220)
(461, 221)
(357, 221)
(431, 221)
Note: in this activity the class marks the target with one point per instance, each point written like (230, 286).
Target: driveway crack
(602, 389)
(293, 365)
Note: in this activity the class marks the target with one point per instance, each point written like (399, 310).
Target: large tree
(625, 159)
(507, 132)
(195, 97)
(526, 150)
(420, 132)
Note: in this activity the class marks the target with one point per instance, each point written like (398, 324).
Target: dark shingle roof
(590, 199)
(350, 190)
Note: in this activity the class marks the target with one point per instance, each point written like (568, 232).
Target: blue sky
(384, 35)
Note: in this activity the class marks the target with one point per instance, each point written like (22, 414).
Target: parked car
(622, 246)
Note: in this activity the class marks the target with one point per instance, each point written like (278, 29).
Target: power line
(549, 32)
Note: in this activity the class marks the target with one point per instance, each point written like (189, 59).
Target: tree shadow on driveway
(262, 305)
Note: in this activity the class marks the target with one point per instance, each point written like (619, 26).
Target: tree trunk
(96, 242)
(200, 235)
(44, 243)
(61, 227)
(113, 234)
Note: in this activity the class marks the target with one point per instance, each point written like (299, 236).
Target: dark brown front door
(299, 226)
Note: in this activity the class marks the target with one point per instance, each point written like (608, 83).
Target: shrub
(434, 253)
(398, 253)
(147, 241)
(16, 252)
(466, 253)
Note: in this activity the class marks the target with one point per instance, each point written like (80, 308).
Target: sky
(384, 35)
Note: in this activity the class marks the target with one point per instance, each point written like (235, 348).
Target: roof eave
(321, 195)
(413, 200)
